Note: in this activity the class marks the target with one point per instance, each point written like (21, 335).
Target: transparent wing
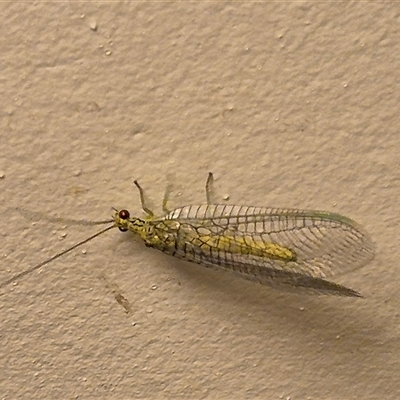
(324, 244)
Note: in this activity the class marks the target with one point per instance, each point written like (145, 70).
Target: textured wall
(289, 104)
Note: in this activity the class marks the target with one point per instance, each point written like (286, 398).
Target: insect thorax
(159, 234)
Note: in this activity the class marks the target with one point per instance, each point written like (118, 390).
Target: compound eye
(122, 229)
(124, 214)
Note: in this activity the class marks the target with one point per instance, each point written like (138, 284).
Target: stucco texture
(288, 104)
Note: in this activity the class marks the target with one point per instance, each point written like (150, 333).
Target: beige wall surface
(290, 104)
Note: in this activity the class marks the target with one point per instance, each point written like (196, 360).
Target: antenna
(49, 260)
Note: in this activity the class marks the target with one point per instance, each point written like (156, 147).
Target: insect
(277, 247)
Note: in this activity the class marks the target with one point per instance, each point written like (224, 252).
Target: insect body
(272, 246)
(276, 247)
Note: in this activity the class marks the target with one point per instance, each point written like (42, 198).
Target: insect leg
(209, 188)
(166, 198)
(142, 200)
